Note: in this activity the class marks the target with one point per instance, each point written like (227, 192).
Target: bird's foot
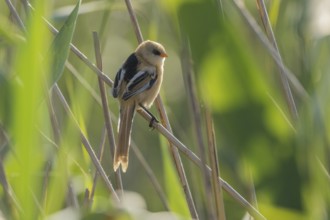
(152, 121)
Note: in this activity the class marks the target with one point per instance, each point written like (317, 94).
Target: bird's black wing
(126, 72)
(141, 81)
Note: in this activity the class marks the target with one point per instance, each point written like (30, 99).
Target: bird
(136, 85)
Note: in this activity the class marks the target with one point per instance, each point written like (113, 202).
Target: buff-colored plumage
(148, 58)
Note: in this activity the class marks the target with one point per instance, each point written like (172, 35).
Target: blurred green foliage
(286, 161)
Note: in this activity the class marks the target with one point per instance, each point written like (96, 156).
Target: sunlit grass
(172, 184)
(25, 163)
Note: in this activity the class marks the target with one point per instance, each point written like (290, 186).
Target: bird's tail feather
(127, 112)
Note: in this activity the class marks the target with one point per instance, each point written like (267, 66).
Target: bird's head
(152, 52)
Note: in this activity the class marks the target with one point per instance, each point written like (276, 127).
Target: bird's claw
(152, 121)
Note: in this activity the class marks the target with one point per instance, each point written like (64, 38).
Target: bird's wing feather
(118, 80)
(126, 72)
(141, 82)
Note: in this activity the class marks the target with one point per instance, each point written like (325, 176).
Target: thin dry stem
(83, 82)
(189, 80)
(177, 160)
(87, 201)
(151, 175)
(3, 178)
(4, 141)
(100, 156)
(106, 112)
(134, 21)
(213, 155)
(255, 27)
(14, 13)
(72, 200)
(86, 143)
(284, 81)
(252, 191)
(53, 118)
(9, 197)
(165, 122)
(56, 135)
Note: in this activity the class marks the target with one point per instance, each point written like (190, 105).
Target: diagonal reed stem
(106, 111)
(239, 4)
(151, 175)
(284, 80)
(189, 80)
(14, 13)
(165, 122)
(91, 194)
(213, 155)
(86, 143)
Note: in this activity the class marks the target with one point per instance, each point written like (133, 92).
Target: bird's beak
(163, 55)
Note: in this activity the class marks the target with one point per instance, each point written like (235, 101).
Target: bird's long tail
(127, 111)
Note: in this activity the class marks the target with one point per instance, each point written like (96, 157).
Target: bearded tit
(136, 85)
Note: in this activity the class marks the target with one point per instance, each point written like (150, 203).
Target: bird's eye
(156, 52)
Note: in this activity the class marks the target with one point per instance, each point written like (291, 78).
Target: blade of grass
(86, 143)
(284, 81)
(189, 81)
(252, 191)
(151, 175)
(55, 186)
(14, 13)
(58, 182)
(71, 197)
(106, 113)
(79, 54)
(61, 45)
(239, 4)
(277, 105)
(213, 155)
(274, 12)
(4, 141)
(3, 178)
(53, 118)
(324, 169)
(86, 7)
(29, 153)
(177, 160)
(11, 203)
(172, 183)
(56, 135)
(59, 52)
(83, 82)
(45, 184)
(87, 202)
(100, 156)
